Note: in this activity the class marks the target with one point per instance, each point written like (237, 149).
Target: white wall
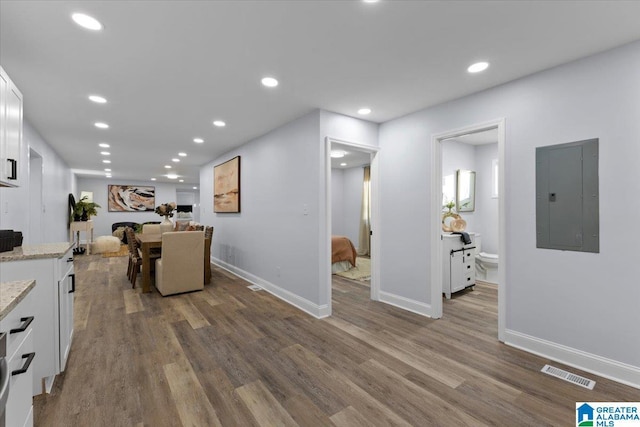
(458, 155)
(58, 182)
(583, 301)
(353, 180)
(487, 217)
(346, 199)
(165, 193)
(185, 198)
(337, 202)
(272, 240)
(484, 219)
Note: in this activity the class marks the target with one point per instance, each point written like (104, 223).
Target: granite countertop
(11, 293)
(44, 250)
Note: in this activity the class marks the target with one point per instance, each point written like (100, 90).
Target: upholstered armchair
(181, 267)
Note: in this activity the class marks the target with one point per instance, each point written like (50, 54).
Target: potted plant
(84, 209)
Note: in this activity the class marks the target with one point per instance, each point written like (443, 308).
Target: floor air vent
(568, 376)
(254, 287)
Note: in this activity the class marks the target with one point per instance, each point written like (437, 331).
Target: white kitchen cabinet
(458, 263)
(66, 292)
(11, 107)
(53, 323)
(18, 326)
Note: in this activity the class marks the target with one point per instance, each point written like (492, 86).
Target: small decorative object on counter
(450, 216)
(6, 240)
(17, 239)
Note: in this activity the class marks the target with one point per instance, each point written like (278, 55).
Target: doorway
(36, 211)
(498, 128)
(348, 165)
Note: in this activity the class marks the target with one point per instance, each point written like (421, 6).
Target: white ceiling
(170, 68)
(353, 158)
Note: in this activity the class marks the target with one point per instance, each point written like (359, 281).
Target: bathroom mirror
(465, 190)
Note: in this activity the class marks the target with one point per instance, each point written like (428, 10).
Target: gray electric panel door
(567, 200)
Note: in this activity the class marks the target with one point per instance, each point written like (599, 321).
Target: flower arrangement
(166, 209)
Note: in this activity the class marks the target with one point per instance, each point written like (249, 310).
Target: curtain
(364, 240)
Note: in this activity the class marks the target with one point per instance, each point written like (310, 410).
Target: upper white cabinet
(10, 131)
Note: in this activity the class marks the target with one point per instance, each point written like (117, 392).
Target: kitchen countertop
(40, 251)
(11, 293)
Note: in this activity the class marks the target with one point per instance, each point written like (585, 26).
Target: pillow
(181, 226)
(119, 233)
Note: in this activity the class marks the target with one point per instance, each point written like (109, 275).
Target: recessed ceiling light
(478, 67)
(343, 164)
(337, 154)
(182, 154)
(364, 111)
(181, 180)
(104, 145)
(153, 179)
(195, 188)
(97, 99)
(219, 123)
(370, 1)
(105, 153)
(101, 125)
(175, 160)
(198, 140)
(107, 170)
(172, 176)
(167, 166)
(86, 21)
(269, 82)
(106, 161)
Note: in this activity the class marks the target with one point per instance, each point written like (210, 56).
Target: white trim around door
(325, 231)
(436, 215)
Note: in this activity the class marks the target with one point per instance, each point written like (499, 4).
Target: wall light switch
(305, 209)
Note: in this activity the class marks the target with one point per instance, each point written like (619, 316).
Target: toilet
(486, 263)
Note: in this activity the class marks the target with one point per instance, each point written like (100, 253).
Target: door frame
(325, 256)
(35, 218)
(436, 215)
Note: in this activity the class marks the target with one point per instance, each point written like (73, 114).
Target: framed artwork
(131, 198)
(226, 186)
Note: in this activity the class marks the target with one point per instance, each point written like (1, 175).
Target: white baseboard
(406, 304)
(315, 310)
(607, 368)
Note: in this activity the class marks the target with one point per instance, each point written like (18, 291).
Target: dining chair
(208, 234)
(135, 260)
(180, 269)
(151, 229)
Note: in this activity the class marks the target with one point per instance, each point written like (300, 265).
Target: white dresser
(458, 263)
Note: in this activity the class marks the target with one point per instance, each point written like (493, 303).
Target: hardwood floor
(229, 356)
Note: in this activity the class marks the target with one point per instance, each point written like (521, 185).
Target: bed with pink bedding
(343, 254)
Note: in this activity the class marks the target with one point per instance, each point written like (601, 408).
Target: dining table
(149, 241)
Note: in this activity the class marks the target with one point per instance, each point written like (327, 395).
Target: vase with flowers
(166, 210)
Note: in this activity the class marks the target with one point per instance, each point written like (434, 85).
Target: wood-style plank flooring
(229, 356)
